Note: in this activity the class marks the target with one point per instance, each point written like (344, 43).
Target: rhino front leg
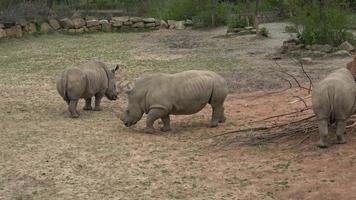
(323, 131)
(217, 116)
(98, 98)
(88, 104)
(73, 108)
(152, 116)
(166, 124)
(340, 132)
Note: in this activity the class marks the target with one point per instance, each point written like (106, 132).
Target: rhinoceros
(333, 100)
(86, 80)
(160, 95)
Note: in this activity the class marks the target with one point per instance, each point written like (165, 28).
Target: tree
(257, 15)
(213, 12)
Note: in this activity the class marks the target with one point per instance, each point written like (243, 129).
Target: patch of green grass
(283, 183)
(242, 183)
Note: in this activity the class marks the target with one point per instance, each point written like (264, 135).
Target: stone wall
(82, 25)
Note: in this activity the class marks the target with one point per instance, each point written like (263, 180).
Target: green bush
(313, 31)
(235, 21)
(264, 32)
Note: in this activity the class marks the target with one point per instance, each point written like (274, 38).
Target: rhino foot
(87, 108)
(322, 145)
(74, 116)
(166, 129)
(97, 109)
(341, 140)
(149, 130)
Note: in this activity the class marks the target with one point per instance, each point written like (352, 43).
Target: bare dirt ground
(46, 155)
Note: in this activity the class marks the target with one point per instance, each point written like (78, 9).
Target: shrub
(264, 32)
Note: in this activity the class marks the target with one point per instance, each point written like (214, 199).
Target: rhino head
(111, 93)
(133, 112)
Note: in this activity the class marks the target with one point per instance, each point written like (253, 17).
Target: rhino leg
(88, 104)
(323, 131)
(340, 132)
(166, 124)
(73, 108)
(218, 113)
(152, 116)
(98, 98)
(222, 116)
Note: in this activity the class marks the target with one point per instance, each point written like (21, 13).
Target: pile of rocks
(79, 25)
(241, 31)
(293, 47)
(179, 25)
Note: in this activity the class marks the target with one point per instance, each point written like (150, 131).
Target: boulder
(249, 27)
(79, 30)
(14, 31)
(30, 28)
(66, 23)
(93, 23)
(78, 23)
(188, 22)
(138, 25)
(149, 20)
(136, 19)
(94, 28)
(306, 60)
(180, 25)
(341, 54)
(121, 19)
(346, 46)
(172, 24)
(128, 23)
(45, 28)
(54, 24)
(158, 22)
(105, 26)
(148, 25)
(2, 33)
(322, 48)
(116, 23)
(163, 24)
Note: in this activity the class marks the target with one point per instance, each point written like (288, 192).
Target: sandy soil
(46, 155)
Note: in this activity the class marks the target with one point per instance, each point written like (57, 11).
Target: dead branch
(301, 99)
(306, 74)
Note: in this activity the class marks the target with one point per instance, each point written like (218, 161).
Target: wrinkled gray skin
(334, 101)
(85, 81)
(185, 93)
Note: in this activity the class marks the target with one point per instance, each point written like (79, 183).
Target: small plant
(235, 21)
(264, 32)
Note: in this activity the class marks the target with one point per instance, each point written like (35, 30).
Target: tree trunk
(213, 12)
(322, 11)
(257, 14)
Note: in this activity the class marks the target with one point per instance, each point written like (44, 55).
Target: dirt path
(46, 155)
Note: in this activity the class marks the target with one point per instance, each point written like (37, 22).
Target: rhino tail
(331, 100)
(65, 86)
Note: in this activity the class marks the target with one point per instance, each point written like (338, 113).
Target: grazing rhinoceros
(334, 100)
(159, 95)
(86, 80)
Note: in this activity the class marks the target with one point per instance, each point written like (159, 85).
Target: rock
(78, 23)
(136, 19)
(14, 31)
(323, 48)
(121, 19)
(94, 28)
(341, 54)
(149, 20)
(66, 23)
(116, 23)
(30, 28)
(163, 24)
(180, 25)
(105, 26)
(234, 30)
(128, 23)
(103, 21)
(54, 24)
(92, 23)
(287, 47)
(85, 29)
(72, 30)
(138, 25)
(45, 28)
(22, 23)
(2, 26)
(150, 25)
(2, 33)
(172, 24)
(253, 31)
(158, 22)
(292, 39)
(79, 30)
(346, 46)
(188, 22)
(249, 27)
(306, 60)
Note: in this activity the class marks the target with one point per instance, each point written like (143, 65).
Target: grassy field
(44, 154)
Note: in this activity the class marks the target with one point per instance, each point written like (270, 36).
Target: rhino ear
(115, 69)
(128, 87)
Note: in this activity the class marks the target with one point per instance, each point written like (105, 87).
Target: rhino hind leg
(166, 123)
(217, 116)
(340, 131)
(73, 108)
(98, 98)
(88, 104)
(323, 131)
